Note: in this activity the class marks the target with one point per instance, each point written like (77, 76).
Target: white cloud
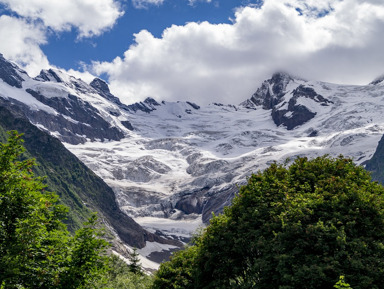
(143, 4)
(193, 2)
(22, 36)
(21, 43)
(203, 62)
(90, 17)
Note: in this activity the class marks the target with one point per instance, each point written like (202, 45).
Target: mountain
(183, 162)
(171, 164)
(78, 187)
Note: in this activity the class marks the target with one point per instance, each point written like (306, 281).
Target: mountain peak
(49, 75)
(272, 90)
(10, 73)
(100, 85)
(281, 76)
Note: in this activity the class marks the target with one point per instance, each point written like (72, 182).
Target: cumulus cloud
(144, 4)
(23, 33)
(337, 41)
(21, 43)
(90, 17)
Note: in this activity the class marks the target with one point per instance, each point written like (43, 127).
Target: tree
(341, 284)
(300, 226)
(119, 276)
(135, 266)
(178, 272)
(36, 249)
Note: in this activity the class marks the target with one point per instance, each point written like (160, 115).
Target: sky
(195, 50)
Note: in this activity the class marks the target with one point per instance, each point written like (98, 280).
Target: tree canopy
(36, 249)
(290, 227)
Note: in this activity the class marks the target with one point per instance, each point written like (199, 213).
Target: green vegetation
(77, 186)
(56, 166)
(120, 276)
(341, 284)
(36, 248)
(292, 227)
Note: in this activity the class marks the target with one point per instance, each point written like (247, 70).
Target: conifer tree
(135, 266)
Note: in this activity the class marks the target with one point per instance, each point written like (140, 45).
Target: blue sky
(198, 50)
(65, 51)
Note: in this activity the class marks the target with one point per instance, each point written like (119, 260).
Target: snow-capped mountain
(171, 164)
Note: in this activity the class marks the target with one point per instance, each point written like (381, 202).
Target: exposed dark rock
(285, 105)
(194, 105)
(297, 114)
(87, 122)
(100, 85)
(48, 75)
(271, 91)
(10, 73)
(191, 204)
(378, 80)
(376, 164)
(127, 124)
(102, 89)
(148, 105)
(313, 133)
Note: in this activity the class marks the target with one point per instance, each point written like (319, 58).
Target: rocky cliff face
(291, 101)
(11, 74)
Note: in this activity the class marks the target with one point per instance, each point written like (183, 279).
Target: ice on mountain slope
(209, 150)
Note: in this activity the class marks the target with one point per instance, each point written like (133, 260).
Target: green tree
(119, 276)
(341, 284)
(178, 272)
(300, 226)
(36, 249)
(135, 266)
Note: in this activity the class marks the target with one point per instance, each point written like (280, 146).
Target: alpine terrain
(171, 164)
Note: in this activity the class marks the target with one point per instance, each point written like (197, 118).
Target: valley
(172, 164)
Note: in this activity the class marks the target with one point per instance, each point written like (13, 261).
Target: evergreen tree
(135, 266)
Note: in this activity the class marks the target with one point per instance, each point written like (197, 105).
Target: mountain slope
(376, 164)
(78, 187)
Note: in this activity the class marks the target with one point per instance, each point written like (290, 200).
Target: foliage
(178, 272)
(36, 249)
(119, 276)
(291, 227)
(135, 266)
(341, 284)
